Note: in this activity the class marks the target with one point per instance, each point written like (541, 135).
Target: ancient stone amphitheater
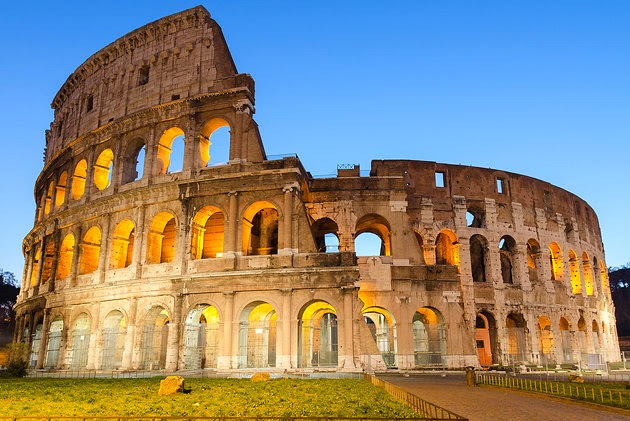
(140, 260)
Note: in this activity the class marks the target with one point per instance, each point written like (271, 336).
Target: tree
(8, 295)
(620, 290)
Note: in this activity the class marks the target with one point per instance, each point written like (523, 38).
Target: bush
(17, 365)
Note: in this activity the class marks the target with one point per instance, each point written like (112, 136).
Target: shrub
(17, 364)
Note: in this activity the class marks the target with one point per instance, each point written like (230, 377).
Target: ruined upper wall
(175, 57)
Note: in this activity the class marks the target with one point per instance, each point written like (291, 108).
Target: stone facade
(136, 261)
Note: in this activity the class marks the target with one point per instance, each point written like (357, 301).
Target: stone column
(519, 267)
(428, 253)
(347, 358)
(104, 248)
(139, 248)
(150, 155)
(287, 234)
(76, 257)
(41, 352)
(225, 360)
(95, 337)
(172, 353)
(231, 238)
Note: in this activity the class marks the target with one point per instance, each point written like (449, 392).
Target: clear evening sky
(534, 87)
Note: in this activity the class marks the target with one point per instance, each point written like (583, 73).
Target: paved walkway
(485, 403)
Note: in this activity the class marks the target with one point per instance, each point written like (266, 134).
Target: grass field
(208, 397)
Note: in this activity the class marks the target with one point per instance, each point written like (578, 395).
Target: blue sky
(539, 88)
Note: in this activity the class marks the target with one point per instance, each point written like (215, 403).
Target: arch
(588, 274)
(545, 339)
(326, 234)
(556, 262)
(90, 251)
(54, 343)
(36, 339)
(605, 282)
(475, 217)
(516, 342)
(595, 336)
(574, 269)
(133, 160)
(533, 254)
(168, 148)
(36, 260)
(446, 250)
(162, 236)
(123, 240)
(66, 253)
(429, 337)
(154, 339)
(48, 201)
(201, 340)
(80, 341)
(208, 233)
(580, 336)
(113, 340)
(213, 147)
(383, 328)
(103, 169)
(78, 180)
(486, 338)
(377, 225)
(507, 248)
(260, 229)
(318, 335)
(257, 336)
(565, 337)
(50, 255)
(478, 257)
(60, 190)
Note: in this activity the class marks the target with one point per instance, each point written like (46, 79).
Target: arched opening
(446, 248)
(318, 341)
(50, 255)
(66, 253)
(478, 257)
(103, 169)
(201, 338)
(60, 193)
(605, 282)
(486, 338)
(368, 244)
(507, 248)
(78, 179)
(533, 254)
(133, 161)
(596, 344)
(154, 339)
(123, 240)
(80, 342)
(36, 260)
(325, 233)
(574, 269)
(49, 198)
(383, 328)
(545, 340)
(556, 262)
(214, 143)
(36, 339)
(377, 225)
(170, 156)
(113, 340)
(162, 236)
(257, 336)
(90, 251)
(565, 337)
(588, 274)
(429, 337)
(581, 342)
(54, 343)
(474, 217)
(515, 324)
(208, 232)
(260, 229)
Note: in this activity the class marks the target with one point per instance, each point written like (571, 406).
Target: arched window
(133, 161)
(49, 258)
(603, 273)
(80, 341)
(113, 337)
(257, 336)
(533, 254)
(486, 338)
(565, 337)
(507, 247)
(515, 324)
(78, 179)
(214, 144)
(379, 227)
(556, 262)
(446, 250)
(162, 236)
(54, 343)
(36, 260)
(207, 236)
(429, 338)
(595, 336)
(383, 328)
(103, 169)
(588, 274)
(154, 339)
(90, 251)
(48, 202)
(123, 240)
(318, 335)
(325, 235)
(478, 257)
(66, 252)
(202, 338)
(170, 156)
(474, 217)
(260, 229)
(545, 339)
(574, 269)
(60, 193)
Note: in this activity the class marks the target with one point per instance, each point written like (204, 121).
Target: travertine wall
(131, 265)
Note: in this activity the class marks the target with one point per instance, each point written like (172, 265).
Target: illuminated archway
(378, 226)
(80, 341)
(325, 233)
(257, 336)
(565, 337)
(208, 232)
(516, 338)
(545, 340)
(113, 340)
(478, 257)
(123, 240)
(556, 262)
(49, 258)
(60, 193)
(54, 343)
(171, 141)
(201, 339)
(66, 253)
(486, 338)
(429, 337)
(383, 328)
(318, 340)
(533, 254)
(90, 251)
(154, 339)
(260, 229)
(133, 161)
(214, 143)
(446, 250)
(588, 274)
(78, 179)
(162, 234)
(574, 269)
(595, 336)
(103, 169)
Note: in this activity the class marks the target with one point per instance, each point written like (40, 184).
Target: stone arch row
(115, 164)
(256, 338)
(551, 340)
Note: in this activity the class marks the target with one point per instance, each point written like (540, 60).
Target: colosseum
(140, 260)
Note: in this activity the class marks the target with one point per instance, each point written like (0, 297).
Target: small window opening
(500, 186)
(90, 103)
(174, 97)
(143, 77)
(440, 180)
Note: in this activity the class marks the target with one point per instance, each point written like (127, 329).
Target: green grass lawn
(209, 397)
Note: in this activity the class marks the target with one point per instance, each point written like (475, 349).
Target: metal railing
(427, 409)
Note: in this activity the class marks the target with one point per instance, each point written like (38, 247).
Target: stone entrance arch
(54, 343)
(154, 339)
(201, 339)
(318, 335)
(383, 328)
(80, 341)
(257, 336)
(486, 338)
(429, 338)
(113, 340)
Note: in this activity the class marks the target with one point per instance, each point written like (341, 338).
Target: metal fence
(427, 409)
